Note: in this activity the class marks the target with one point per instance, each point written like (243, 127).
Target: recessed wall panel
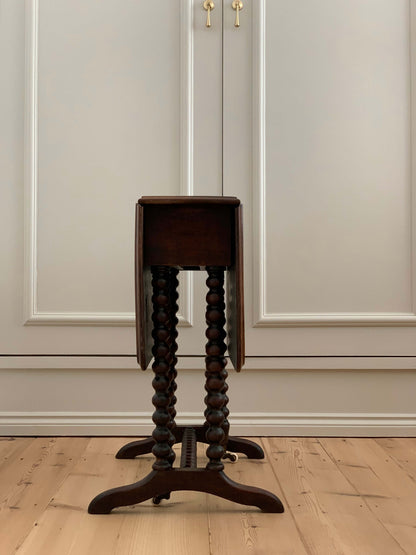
(337, 183)
(108, 133)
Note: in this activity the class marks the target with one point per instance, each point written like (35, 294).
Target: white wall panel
(108, 98)
(103, 104)
(109, 117)
(337, 186)
(327, 179)
(75, 395)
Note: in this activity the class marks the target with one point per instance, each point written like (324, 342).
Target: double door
(304, 112)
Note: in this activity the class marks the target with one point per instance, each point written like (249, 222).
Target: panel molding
(248, 424)
(261, 317)
(266, 320)
(32, 314)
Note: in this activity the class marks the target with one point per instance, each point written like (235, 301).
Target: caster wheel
(158, 498)
(232, 456)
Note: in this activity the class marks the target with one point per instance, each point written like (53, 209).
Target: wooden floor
(342, 496)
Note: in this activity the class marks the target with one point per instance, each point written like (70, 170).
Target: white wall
(117, 400)
(262, 402)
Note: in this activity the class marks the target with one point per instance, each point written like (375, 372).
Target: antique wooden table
(173, 234)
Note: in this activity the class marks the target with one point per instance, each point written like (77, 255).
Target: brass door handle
(237, 5)
(208, 6)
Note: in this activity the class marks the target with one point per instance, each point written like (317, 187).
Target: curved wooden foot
(235, 444)
(224, 487)
(245, 446)
(103, 503)
(158, 482)
(135, 448)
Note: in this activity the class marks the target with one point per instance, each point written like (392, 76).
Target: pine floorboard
(342, 496)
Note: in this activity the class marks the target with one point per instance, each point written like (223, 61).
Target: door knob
(237, 5)
(208, 6)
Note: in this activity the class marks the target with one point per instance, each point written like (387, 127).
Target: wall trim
(262, 318)
(32, 315)
(300, 363)
(248, 424)
(337, 319)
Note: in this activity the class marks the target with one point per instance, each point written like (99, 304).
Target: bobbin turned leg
(144, 446)
(164, 479)
(164, 439)
(172, 373)
(216, 336)
(216, 429)
(173, 346)
(216, 385)
(163, 384)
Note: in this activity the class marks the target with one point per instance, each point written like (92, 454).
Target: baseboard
(248, 424)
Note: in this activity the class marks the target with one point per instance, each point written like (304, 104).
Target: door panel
(328, 194)
(106, 115)
(113, 112)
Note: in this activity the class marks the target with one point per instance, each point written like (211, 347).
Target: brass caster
(232, 456)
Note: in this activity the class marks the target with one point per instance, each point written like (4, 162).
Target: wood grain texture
(29, 479)
(342, 497)
(331, 514)
(234, 529)
(377, 478)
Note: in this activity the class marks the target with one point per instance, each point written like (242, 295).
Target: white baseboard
(248, 424)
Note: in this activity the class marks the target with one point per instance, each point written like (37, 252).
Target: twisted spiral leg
(216, 399)
(162, 434)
